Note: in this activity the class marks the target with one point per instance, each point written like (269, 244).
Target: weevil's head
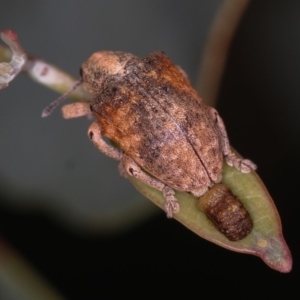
(100, 66)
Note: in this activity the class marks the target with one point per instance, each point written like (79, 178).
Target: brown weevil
(166, 136)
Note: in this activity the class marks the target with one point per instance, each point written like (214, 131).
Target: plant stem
(217, 47)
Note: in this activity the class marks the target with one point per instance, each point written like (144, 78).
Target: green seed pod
(226, 212)
(265, 239)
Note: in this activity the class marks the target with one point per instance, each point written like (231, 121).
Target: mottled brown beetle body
(149, 108)
(156, 118)
(226, 212)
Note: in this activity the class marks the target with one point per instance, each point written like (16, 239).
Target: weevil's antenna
(50, 108)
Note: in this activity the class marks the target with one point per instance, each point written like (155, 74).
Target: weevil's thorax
(101, 66)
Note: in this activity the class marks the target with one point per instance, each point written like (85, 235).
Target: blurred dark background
(62, 201)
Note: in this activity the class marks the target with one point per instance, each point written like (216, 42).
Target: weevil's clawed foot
(244, 165)
(247, 166)
(171, 206)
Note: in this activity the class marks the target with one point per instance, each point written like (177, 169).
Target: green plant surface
(265, 240)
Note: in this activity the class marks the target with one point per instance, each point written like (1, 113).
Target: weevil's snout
(99, 66)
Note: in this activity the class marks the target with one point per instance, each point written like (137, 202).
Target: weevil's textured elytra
(226, 212)
(168, 138)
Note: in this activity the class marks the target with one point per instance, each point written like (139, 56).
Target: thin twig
(39, 70)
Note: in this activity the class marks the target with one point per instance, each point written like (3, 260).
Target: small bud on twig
(8, 71)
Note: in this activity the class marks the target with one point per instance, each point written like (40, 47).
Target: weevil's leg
(171, 206)
(94, 134)
(133, 169)
(76, 110)
(244, 165)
